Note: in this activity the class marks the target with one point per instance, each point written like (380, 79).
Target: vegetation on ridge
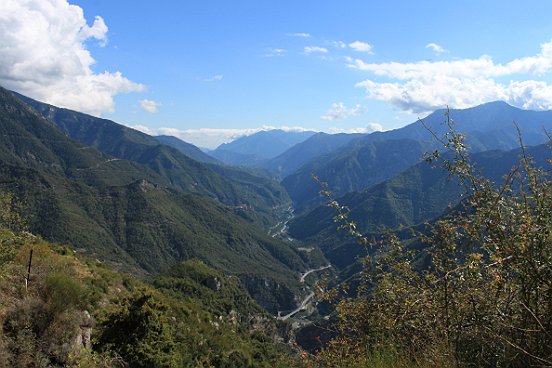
(74, 311)
(124, 213)
(486, 298)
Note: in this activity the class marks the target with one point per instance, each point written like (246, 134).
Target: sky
(209, 71)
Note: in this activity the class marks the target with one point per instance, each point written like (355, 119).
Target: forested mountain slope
(180, 171)
(315, 146)
(418, 194)
(186, 148)
(378, 156)
(126, 214)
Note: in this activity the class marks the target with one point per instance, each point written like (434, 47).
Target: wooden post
(29, 270)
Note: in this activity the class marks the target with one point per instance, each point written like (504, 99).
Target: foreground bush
(484, 294)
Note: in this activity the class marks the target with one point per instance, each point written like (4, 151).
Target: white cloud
(338, 44)
(98, 31)
(423, 86)
(438, 49)
(275, 52)
(43, 55)
(339, 111)
(360, 46)
(370, 128)
(214, 78)
(374, 127)
(301, 34)
(149, 105)
(315, 49)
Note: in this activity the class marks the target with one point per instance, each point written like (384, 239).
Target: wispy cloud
(360, 46)
(149, 105)
(300, 34)
(338, 44)
(272, 52)
(423, 86)
(315, 49)
(338, 111)
(438, 49)
(52, 63)
(214, 78)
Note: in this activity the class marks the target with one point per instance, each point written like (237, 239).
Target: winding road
(307, 299)
(303, 305)
(302, 278)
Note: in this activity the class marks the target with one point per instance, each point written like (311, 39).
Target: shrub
(62, 292)
(137, 329)
(486, 297)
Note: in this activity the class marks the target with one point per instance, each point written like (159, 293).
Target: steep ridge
(316, 146)
(418, 194)
(125, 213)
(186, 148)
(362, 162)
(359, 168)
(180, 171)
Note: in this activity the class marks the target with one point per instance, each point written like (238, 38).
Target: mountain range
(254, 149)
(312, 148)
(417, 195)
(175, 165)
(371, 159)
(136, 216)
(143, 204)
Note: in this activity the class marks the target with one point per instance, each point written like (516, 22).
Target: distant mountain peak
(260, 146)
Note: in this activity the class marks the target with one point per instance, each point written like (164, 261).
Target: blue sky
(209, 71)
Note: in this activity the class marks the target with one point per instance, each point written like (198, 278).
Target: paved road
(307, 299)
(303, 305)
(302, 278)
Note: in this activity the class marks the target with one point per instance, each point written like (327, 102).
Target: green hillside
(315, 146)
(179, 171)
(360, 168)
(124, 213)
(416, 195)
(186, 148)
(76, 312)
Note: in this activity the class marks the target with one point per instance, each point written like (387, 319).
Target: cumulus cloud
(423, 86)
(370, 128)
(43, 55)
(212, 137)
(438, 49)
(360, 46)
(214, 78)
(339, 111)
(315, 49)
(149, 105)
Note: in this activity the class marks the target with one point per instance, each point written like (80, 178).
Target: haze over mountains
(253, 150)
(145, 203)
